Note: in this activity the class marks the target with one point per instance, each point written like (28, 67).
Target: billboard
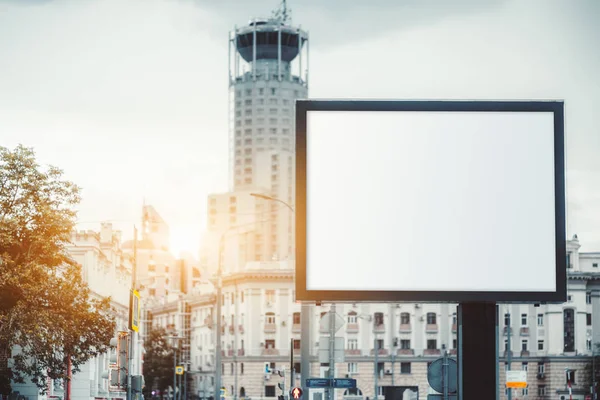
(430, 201)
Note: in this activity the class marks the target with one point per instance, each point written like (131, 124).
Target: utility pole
(508, 344)
(174, 368)
(331, 390)
(376, 349)
(292, 363)
(134, 310)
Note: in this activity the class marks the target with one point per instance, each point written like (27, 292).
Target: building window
(454, 319)
(523, 319)
(405, 344)
(273, 91)
(405, 318)
(261, 90)
(297, 368)
(525, 392)
(588, 344)
(540, 320)
(241, 368)
(505, 344)
(595, 265)
(296, 318)
(569, 329)
(352, 368)
(248, 92)
(231, 368)
(270, 318)
(524, 345)
(296, 344)
(405, 368)
(352, 317)
(507, 319)
(431, 344)
(524, 366)
(270, 344)
(569, 261)
(540, 345)
(431, 318)
(588, 319)
(378, 319)
(270, 296)
(588, 297)
(269, 391)
(454, 343)
(541, 390)
(352, 344)
(541, 368)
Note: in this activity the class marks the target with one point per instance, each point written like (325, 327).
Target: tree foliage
(46, 309)
(158, 362)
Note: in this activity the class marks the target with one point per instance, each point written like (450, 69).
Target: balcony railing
(296, 328)
(454, 328)
(296, 352)
(379, 328)
(270, 328)
(452, 352)
(270, 352)
(231, 329)
(353, 352)
(241, 352)
(230, 353)
(524, 353)
(431, 328)
(381, 352)
(405, 328)
(432, 352)
(524, 331)
(505, 331)
(352, 328)
(241, 328)
(406, 352)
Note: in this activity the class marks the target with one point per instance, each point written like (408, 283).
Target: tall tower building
(268, 71)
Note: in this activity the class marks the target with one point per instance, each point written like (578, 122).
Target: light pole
(174, 339)
(219, 303)
(305, 314)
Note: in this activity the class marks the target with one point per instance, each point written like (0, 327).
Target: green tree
(46, 309)
(158, 362)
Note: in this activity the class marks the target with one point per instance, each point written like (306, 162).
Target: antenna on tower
(283, 12)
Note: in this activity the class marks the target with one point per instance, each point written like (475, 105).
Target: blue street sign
(344, 383)
(318, 382)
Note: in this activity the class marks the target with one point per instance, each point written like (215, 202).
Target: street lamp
(174, 339)
(305, 316)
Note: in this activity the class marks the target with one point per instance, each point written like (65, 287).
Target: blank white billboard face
(430, 202)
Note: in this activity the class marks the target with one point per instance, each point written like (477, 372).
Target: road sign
(296, 393)
(318, 382)
(339, 354)
(325, 322)
(134, 310)
(179, 370)
(435, 375)
(344, 383)
(516, 379)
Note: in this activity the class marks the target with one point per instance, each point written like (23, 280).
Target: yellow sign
(516, 379)
(179, 370)
(134, 311)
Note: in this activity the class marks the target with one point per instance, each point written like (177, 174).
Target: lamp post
(174, 339)
(219, 303)
(305, 315)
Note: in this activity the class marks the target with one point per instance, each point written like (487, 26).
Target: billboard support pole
(477, 351)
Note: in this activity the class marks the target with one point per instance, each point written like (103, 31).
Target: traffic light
(296, 393)
(122, 358)
(112, 373)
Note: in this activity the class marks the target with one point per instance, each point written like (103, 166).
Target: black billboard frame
(328, 296)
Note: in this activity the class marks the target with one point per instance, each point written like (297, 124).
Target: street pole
(174, 368)
(331, 390)
(305, 330)
(218, 322)
(509, 354)
(132, 332)
(376, 349)
(292, 363)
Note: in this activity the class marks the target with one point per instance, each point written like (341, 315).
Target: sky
(129, 98)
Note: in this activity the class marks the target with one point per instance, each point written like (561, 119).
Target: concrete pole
(331, 390)
(305, 341)
(375, 391)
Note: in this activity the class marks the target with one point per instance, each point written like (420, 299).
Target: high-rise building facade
(268, 71)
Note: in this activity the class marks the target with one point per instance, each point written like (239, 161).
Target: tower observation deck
(268, 71)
